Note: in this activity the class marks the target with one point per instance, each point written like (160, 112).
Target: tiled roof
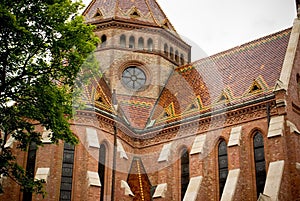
(138, 181)
(136, 109)
(136, 11)
(236, 75)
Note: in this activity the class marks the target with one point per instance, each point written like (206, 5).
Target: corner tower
(139, 46)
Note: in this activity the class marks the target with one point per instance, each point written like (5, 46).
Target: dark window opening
(260, 163)
(30, 167)
(67, 173)
(223, 166)
(101, 169)
(103, 40)
(185, 171)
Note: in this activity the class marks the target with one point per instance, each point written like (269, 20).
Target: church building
(158, 126)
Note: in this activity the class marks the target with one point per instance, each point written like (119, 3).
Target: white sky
(217, 25)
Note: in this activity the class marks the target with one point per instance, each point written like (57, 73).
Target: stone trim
(230, 185)
(165, 152)
(276, 127)
(9, 142)
(92, 138)
(198, 144)
(193, 189)
(46, 136)
(273, 180)
(93, 179)
(293, 127)
(235, 136)
(160, 190)
(289, 57)
(42, 174)
(120, 149)
(126, 187)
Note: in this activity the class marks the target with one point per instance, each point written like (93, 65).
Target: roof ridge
(241, 47)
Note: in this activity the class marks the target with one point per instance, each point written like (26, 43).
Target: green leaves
(45, 54)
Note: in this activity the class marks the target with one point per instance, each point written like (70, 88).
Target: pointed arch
(222, 165)
(184, 171)
(182, 59)
(259, 160)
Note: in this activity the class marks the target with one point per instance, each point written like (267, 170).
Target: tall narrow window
(67, 173)
(150, 44)
(30, 167)
(181, 59)
(141, 43)
(131, 42)
(103, 40)
(171, 53)
(166, 49)
(298, 85)
(185, 171)
(176, 56)
(260, 163)
(223, 165)
(101, 169)
(123, 41)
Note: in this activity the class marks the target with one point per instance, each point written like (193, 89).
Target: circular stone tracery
(134, 78)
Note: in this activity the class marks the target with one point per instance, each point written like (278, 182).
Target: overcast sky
(217, 25)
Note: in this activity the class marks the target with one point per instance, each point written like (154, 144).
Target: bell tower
(139, 46)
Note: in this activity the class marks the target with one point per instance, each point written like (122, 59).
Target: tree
(44, 44)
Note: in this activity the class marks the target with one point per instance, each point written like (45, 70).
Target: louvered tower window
(131, 41)
(223, 165)
(103, 40)
(30, 167)
(123, 41)
(67, 173)
(185, 171)
(101, 169)
(150, 44)
(166, 49)
(260, 163)
(141, 43)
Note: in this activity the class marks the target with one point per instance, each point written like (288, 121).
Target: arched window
(131, 42)
(67, 172)
(150, 44)
(223, 165)
(103, 40)
(166, 49)
(176, 56)
(101, 169)
(185, 171)
(123, 41)
(260, 163)
(181, 59)
(171, 53)
(30, 166)
(141, 43)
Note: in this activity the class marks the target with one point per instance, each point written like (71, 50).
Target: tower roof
(146, 12)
